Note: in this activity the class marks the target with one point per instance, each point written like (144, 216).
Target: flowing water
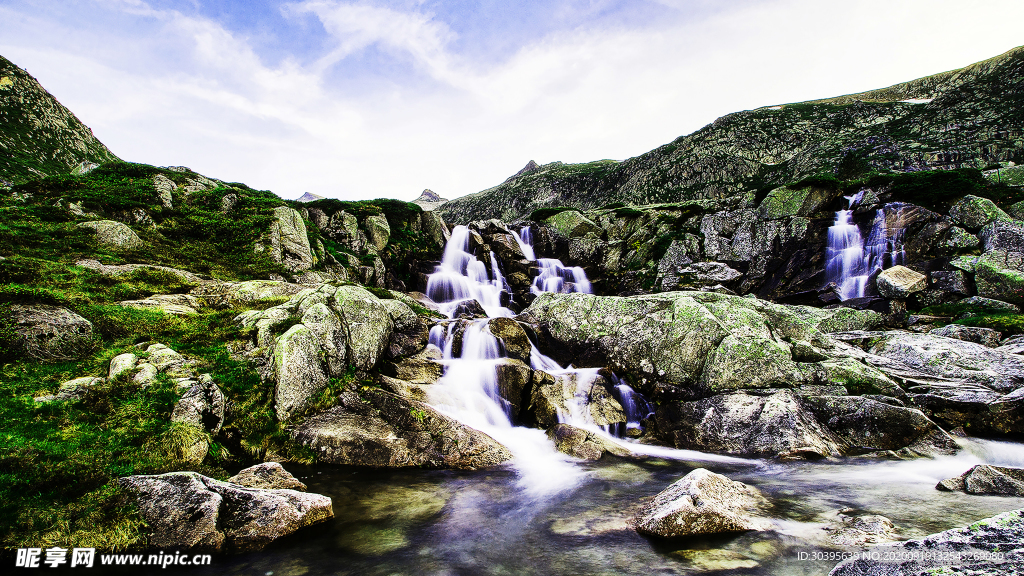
(546, 513)
(484, 523)
(850, 261)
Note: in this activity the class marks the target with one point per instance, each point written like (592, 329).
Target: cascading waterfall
(849, 261)
(468, 390)
(554, 276)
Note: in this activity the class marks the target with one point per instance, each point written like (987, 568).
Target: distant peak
(309, 197)
(429, 195)
(530, 167)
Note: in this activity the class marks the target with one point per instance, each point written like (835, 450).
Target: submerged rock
(991, 546)
(857, 530)
(987, 479)
(703, 502)
(189, 510)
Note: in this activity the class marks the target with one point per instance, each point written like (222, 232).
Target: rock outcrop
(50, 332)
(989, 546)
(186, 510)
(703, 502)
(114, 234)
(325, 331)
(378, 428)
(987, 479)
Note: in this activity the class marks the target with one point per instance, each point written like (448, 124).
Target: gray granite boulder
(703, 502)
(191, 511)
(50, 332)
(987, 479)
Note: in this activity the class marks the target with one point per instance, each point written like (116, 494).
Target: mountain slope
(971, 117)
(38, 135)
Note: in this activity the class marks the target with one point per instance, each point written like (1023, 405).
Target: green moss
(542, 214)
(1007, 324)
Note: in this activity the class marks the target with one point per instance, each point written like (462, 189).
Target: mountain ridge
(969, 117)
(39, 136)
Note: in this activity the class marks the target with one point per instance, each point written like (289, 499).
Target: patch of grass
(1008, 324)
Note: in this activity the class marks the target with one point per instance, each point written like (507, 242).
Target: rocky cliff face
(965, 118)
(38, 135)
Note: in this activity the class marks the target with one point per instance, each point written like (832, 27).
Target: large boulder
(248, 294)
(989, 546)
(114, 234)
(191, 511)
(289, 244)
(973, 212)
(1000, 275)
(337, 328)
(297, 369)
(703, 502)
(900, 282)
(952, 358)
(50, 332)
(786, 425)
(378, 428)
(693, 342)
(581, 443)
(986, 479)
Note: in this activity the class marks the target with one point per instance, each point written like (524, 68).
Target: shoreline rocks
(989, 546)
(189, 510)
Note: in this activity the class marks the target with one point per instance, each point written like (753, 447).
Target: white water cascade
(468, 390)
(554, 276)
(849, 261)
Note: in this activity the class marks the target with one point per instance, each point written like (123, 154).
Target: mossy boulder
(973, 212)
(571, 223)
(114, 234)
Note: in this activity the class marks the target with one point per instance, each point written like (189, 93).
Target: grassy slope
(58, 462)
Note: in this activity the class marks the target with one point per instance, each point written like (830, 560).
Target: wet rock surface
(986, 479)
(990, 546)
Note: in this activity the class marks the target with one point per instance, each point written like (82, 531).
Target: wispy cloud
(385, 99)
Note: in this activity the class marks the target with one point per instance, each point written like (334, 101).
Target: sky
(383, 98)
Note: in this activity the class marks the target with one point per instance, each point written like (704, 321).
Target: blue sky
(370, 99)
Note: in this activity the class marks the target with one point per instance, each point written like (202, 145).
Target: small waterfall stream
(468, 390)
(850, 262)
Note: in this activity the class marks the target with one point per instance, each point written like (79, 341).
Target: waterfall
(850, 261)
(469, 389)
(462, 277)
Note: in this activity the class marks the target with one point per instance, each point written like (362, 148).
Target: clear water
(446, 523)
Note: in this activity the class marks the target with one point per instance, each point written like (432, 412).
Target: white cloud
(186, 90)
